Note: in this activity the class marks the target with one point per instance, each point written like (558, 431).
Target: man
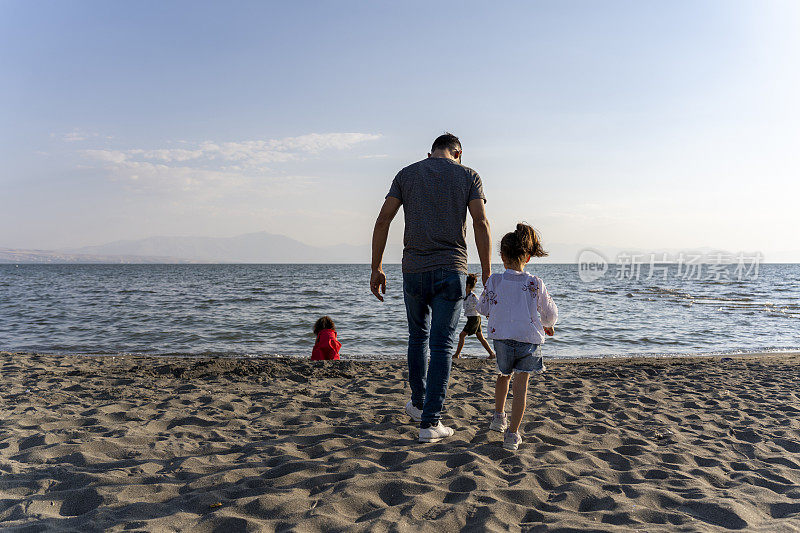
(435, 194)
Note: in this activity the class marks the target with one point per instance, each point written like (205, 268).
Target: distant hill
(270, 248)
(8, 255)
(259, 247)
(263, 247)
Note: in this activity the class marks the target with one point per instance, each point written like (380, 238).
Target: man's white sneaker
(413, 412)
(435, 433)
(499, 422)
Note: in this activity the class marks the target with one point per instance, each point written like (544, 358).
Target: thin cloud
(77, 135)
(168, 155)
(213, 168)
(73, 137)
(255, 153)
(108, 156)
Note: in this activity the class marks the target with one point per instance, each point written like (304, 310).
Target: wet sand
(275, 444)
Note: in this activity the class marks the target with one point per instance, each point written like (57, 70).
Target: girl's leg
(485, 343)
(501, 392)
(461, 338)
(520, 398)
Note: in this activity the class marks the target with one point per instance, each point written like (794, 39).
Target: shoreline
(277, 444)
(778, 352)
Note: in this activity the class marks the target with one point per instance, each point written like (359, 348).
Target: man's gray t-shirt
(435, 193)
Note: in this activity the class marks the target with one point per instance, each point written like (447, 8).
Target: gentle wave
(244, 310)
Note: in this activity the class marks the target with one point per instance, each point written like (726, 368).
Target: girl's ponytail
(523, 241)
(526, 238)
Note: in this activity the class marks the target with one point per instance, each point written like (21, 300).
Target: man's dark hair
(447, 141)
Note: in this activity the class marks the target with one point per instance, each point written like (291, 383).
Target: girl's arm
(483, 301)
(331, 349)
(548, 312)
(316, 354)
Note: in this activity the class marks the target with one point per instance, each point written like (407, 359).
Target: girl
(473, 326)
(520, 312)
(327, 346)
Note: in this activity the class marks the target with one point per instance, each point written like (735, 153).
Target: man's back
(435, 193)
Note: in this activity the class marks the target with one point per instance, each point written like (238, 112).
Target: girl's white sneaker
(512, 441)
(499, 422)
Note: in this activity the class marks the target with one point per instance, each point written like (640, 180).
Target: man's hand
(485, 276)
(377, 284)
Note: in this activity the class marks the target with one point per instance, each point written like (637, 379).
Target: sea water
(253, 310)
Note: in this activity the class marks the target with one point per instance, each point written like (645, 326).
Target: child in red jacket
(326, 347)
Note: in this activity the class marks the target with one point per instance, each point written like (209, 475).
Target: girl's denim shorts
(516, 356)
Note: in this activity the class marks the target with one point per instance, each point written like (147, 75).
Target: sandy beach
(275, 444)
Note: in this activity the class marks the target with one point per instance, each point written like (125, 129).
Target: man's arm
(377, 281)
(483, 238)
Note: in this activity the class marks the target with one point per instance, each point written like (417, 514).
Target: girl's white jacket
(518, 307)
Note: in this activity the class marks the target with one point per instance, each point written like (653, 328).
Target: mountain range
(258, 247)
(263, 247)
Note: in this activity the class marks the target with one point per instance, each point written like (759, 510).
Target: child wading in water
(327, 346)
(520, 312)
(473, 326)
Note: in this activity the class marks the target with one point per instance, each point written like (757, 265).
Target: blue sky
(615, 125)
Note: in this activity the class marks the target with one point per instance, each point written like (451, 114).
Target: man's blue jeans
(433, 305)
